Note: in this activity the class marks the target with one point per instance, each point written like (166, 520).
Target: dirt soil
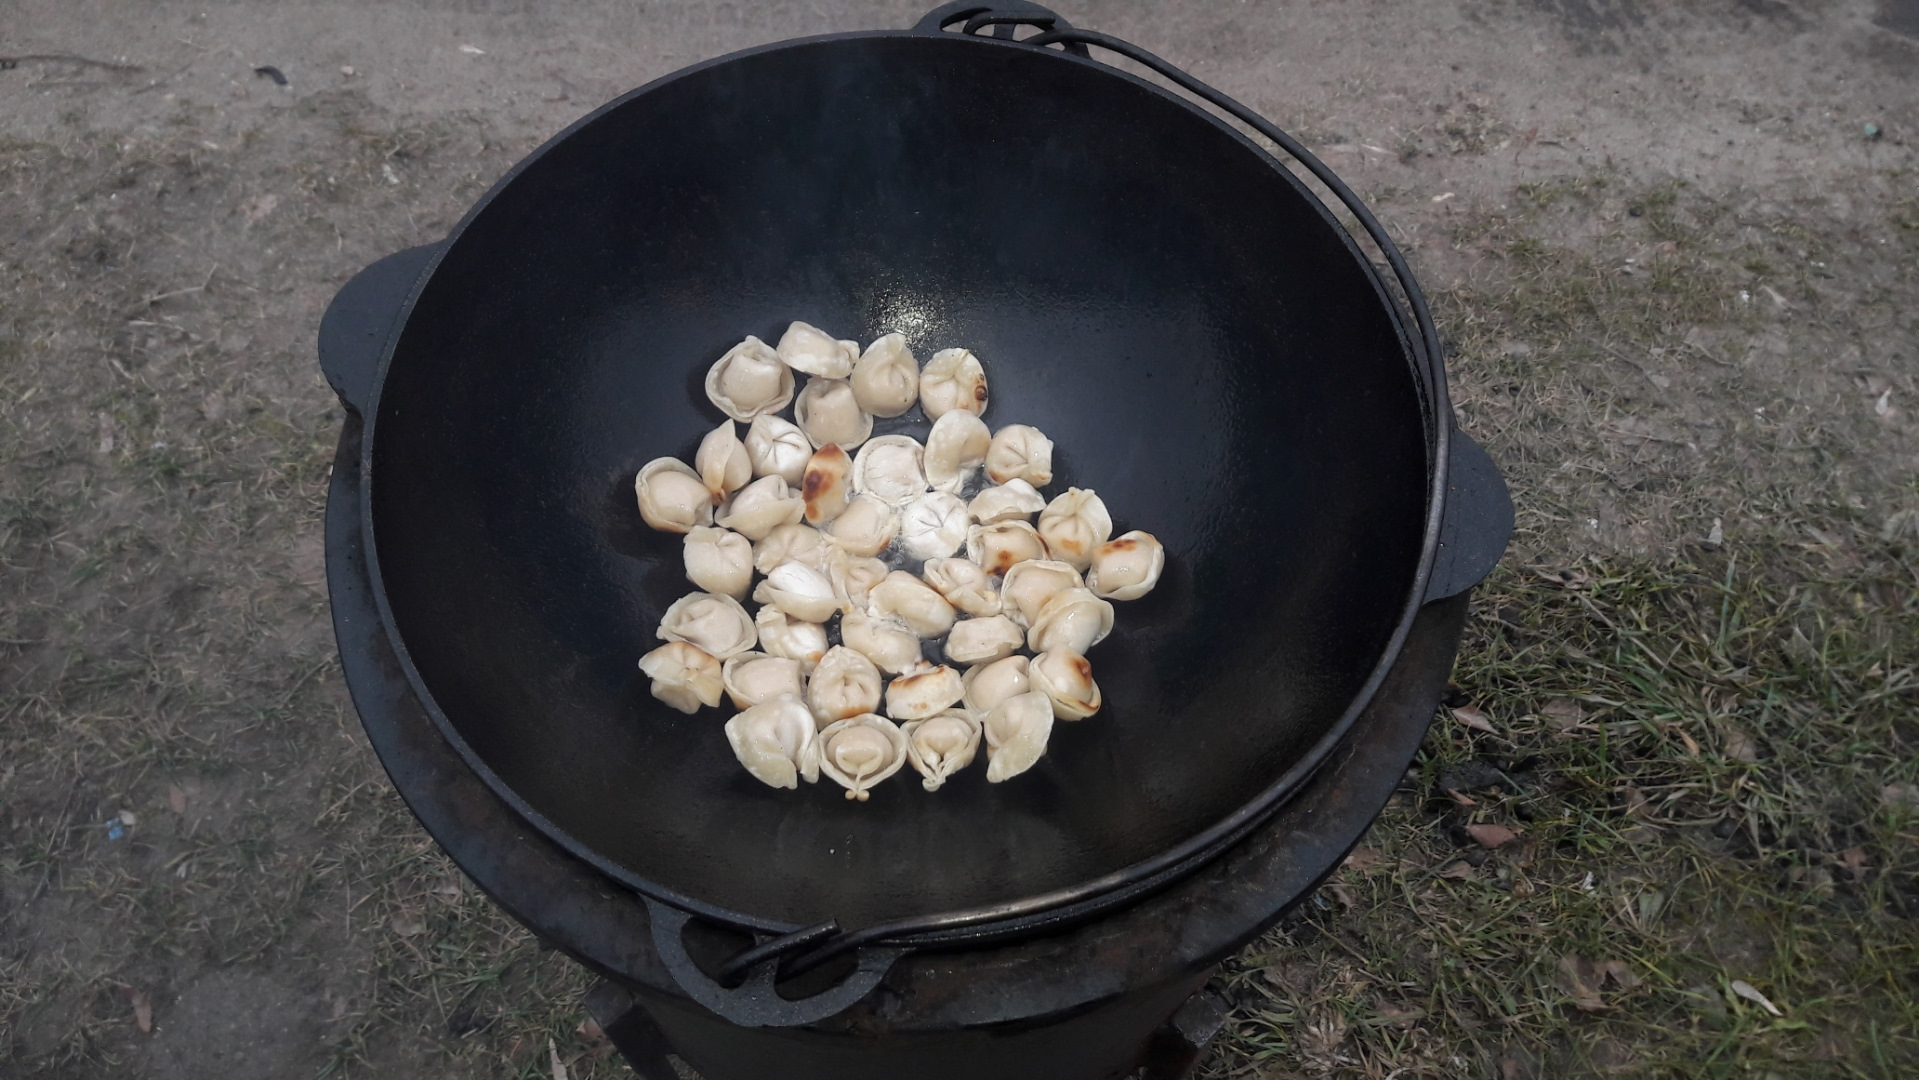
(1674, 248)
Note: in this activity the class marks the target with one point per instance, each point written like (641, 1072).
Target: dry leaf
(1618, 971)
(1739, 747)
(1472, 717)
(1906, 795)
(1636, 805)
(1565, 712)
(1397, 1016)
(1463, 800)
(407, 925)
(1362, 859)
(1341, 894)
(176, 798)
(553, 1054)
(1745, 990)
(1458, 871)
(1491, 836)
(1570, 579)
(1580, 979)
(1854, 860)
(142, 1010)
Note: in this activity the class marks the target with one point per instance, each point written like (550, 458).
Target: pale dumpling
(760, 507)
(1074, 620)
(1020, 452)
(718, 561)
(722, 462)
(923, 692)
(865, 527)
(1066, 678)
(853, 577)
(934, 525)
(716, 623)
(939, 746)
(774, 740)
(1127, 567)
(754, 677)
(955, 449)
(805, 347)
(829, 415)
(1073, 525)
(998, 546)
(1015, 500)
(986, 685)
(860, 751)
(890, 469)
(672, 496)
(782, 635)
(952, 379)
(886, 380)
(1029, 585)
(1016, 732)
(827, 485)
(981, 641)
(965, 584)
(793, 542)
(884, 639)
(914, 601)
(777, 447)
(750, 380)
(684, 675)
(800, 591)
(844, 684)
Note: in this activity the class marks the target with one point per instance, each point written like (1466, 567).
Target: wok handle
(755, 1002)
(360, 319)
(1476, 524)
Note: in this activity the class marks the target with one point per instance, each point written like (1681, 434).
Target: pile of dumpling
(826, 514)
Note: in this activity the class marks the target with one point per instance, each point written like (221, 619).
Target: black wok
(1207, 346)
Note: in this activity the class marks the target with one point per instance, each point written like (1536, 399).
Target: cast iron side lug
(755, 1002)
(1004, 17)
(1477, 524)
(362, 316)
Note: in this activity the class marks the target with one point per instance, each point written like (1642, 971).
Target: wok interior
(1143, 286)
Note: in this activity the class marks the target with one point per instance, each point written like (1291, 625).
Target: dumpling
(722, 462)
(783, 635)
(749, 381)
(1016, 732)
(933, 525)
(716, 623)
(981, 641)
(886, 380)
(684, 676)
(777, 448)
(955, 448)
(952, 379)
(828, 413)
(807, 348)
(889, 469)
(1029, 585)
(998, 546)
(800, 591)
(844, 684)
(939, 746)
(884, 639)
(853, 577)
(987, 685)
(1126, 568)
(1073, 525)
(965, 584)
(672, 496)
(754, 677)
(1066, 678)
(1074, 620)
(757, 509)
(718, 560)
(860, 751)
(1014, 500)
(865, 527)
(774, 740)
(902, 594)
(792, 543)
(923, 692)
(827, 485)
(1020, 452)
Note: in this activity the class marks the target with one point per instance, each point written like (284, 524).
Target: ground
(1665, 828)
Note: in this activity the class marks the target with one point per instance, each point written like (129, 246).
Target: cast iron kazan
(1204, 342)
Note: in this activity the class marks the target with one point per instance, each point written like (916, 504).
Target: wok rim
(1027, 914)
